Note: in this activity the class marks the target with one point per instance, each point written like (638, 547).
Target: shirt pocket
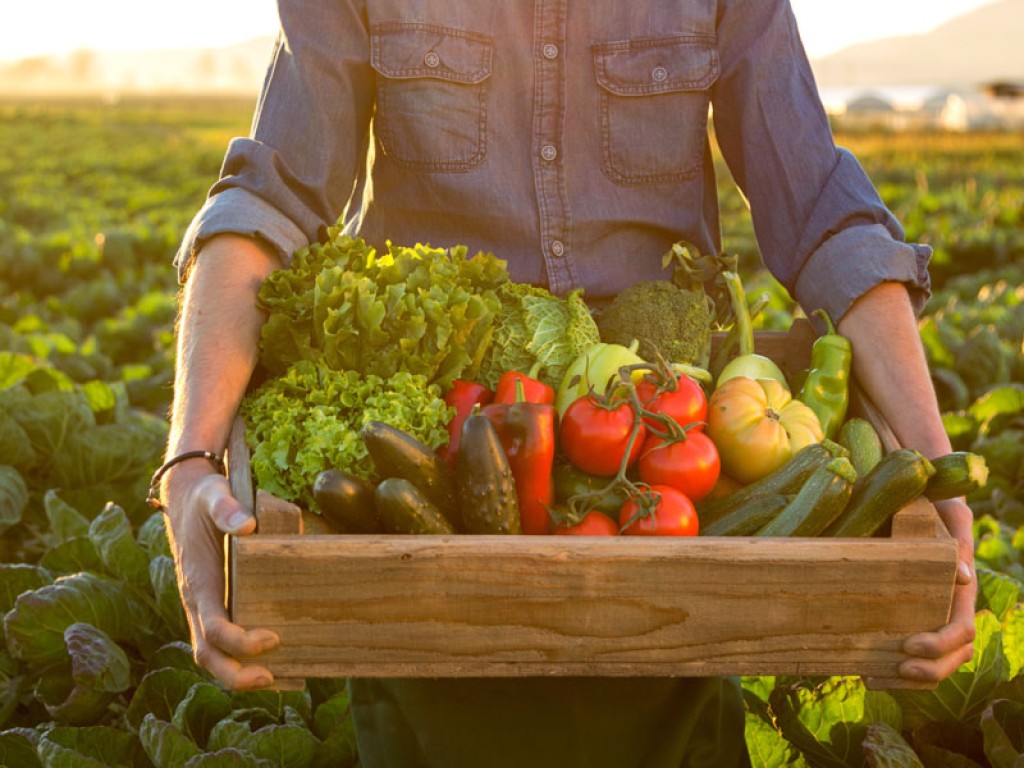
(431, 95)
(653, 101)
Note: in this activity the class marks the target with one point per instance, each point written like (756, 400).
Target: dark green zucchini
(488, 502)
(404, 508)
(861, 439)
(787, 479)
(396, 453)
(899, 478)
(956, 474)
(346, 501)
(749, 518)
(816, 505)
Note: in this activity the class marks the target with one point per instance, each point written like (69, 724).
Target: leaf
(176, 654)
(1002, 401)
(1002, 724)
(112, 535)
(13, 497)
(828, 722)
(997, 592)
(18, 749)
(17, 578)
(66, 522)
(767, 747)
(163, 579)
(160, 693)
(286, 746)
(166, 746)
(99, 669)
(71, 556)
(962, 696)
(97, 746)
(229, 758)
(884, 747)
(954, 744)
(275, 703)
(1013, 641)
(152, 535)
(333, 715)
(229, 733)
(35, 627)
(203, 707)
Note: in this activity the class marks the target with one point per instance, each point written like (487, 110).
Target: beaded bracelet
(153, 498)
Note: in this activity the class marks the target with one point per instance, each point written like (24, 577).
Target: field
(95, 668)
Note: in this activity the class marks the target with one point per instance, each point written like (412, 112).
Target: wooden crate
(461, 606)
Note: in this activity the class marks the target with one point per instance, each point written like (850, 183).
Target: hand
(937, 655)
(200, 510)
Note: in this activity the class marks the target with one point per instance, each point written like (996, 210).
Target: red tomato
(687, 403)
(595, 437)
(691, 465)
(673, 514)
(594, 523)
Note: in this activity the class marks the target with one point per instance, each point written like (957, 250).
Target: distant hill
(984, 45)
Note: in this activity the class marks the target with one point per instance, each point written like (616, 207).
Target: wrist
(195, 463)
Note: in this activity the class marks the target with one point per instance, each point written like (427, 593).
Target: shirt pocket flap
(404, 50)
(645, 67)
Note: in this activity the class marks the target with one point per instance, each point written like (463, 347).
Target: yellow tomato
(757, 426)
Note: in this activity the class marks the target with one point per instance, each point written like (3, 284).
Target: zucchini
(488, 503)
(404, 508)
(396, 453)
(823, 497)
(899, 478)
(346, 501)
(861, 439)
(749, 518)
(956, 474)
(787, 479)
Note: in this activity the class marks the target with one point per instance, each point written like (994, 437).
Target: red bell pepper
(527, 433)
(463, 396)
(516, 387)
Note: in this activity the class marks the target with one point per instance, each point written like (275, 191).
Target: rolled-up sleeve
(299, 168)
(822, 228)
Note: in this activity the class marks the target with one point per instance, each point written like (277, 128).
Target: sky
(44, 27)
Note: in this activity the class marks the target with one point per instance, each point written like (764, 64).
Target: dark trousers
(550, 723)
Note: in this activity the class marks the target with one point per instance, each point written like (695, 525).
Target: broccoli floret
(666, 319)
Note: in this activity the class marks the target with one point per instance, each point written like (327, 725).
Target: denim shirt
(568, 138)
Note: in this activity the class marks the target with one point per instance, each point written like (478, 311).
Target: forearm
(218, 334)
(890, 365)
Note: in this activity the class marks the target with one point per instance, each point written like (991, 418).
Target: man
(570, 139)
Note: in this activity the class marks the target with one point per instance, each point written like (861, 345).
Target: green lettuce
(310, 418)
(423, 310)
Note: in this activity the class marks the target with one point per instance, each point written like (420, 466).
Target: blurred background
(952, 63)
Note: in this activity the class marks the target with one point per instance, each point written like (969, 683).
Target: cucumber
(396, 453)
(956, 474)
(488, 503)
(404, 508)
(788, 478)
(346, 501)
(899, 478)
(861, 439)
(749, 518)
(823, 497)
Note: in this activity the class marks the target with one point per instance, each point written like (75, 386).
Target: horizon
(826, 26)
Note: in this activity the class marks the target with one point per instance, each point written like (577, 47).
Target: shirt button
(550, 51)
(659, 74)
(548, 152)
(557, 248)
(431, 59)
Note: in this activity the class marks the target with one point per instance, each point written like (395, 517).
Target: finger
(935, 670)
(231, 672)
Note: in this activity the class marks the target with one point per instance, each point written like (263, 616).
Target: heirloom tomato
(757, 426)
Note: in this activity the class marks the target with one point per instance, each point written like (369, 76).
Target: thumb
(226, 512)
